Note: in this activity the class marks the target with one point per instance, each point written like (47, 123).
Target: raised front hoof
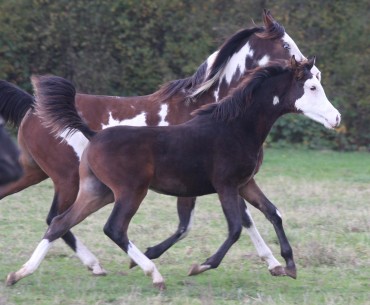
(132, 264)
(195, 269)
(11, 279)
(160, 286)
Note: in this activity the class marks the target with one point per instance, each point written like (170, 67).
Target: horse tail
(55, 105)
(14, 103)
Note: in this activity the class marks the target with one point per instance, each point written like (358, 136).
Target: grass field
(324, 198)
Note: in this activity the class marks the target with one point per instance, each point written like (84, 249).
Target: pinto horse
(217, 151)
(10, 168)
(45, 156)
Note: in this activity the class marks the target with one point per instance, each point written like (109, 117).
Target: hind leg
(92, 196)
(185, 210)
(264, 252)
(116, 229)
(32, 174)
(252, 193)
(82, 252)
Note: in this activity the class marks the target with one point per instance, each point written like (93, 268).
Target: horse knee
(234, 234)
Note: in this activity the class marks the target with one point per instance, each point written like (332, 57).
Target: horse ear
(268, 20)
(293, 63)
(311, 62)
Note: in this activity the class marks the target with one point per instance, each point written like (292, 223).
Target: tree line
(130, 47)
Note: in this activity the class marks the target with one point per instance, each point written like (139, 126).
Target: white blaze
(315, 105)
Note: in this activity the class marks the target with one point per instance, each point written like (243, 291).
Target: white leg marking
(276, 100)
(263, 250)
(190, 225)
(278, 214)
(88, 259)
(144, 263)
(37, 257)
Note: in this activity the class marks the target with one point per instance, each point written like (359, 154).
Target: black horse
(215, 152)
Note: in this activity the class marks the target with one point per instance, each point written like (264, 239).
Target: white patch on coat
(210, 60)
(275, 101)
(77, 141)
(264, 61)
(278, 213)
(315, 105)
(163, 114)
(237, 61)
(138, 120)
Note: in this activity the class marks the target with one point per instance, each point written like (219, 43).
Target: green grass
(324, 200)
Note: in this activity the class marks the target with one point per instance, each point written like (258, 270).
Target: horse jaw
(315, 105)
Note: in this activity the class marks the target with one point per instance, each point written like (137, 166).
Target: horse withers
(215, 152)
(10, 168)
(44, 155)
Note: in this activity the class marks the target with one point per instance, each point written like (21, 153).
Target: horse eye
(313, 88)
(286, 45)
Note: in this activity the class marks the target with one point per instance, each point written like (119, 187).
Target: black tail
(55, 105)
(14, 103)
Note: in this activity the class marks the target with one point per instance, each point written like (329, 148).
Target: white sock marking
(263, 250)
(37, 257)
(144, 263)
(87, 258)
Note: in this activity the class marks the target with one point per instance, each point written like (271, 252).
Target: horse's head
(246, 50)
(273, 43)
(308, 95)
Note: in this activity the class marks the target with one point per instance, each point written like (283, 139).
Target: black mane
(239, 99)
(226, 51)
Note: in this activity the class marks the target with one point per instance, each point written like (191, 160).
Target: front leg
(263, 250)
(252, 193)
(230, 206)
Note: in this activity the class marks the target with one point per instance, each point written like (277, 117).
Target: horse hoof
(132, 264)
(11, 279)
(97, 270)
(278, 271)
(196, 269)
(291, 272)
(161, 286)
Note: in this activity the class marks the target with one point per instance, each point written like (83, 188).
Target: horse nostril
(337, 120)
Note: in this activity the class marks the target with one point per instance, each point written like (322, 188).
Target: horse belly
(181, 188)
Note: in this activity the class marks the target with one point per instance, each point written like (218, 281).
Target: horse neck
(264, 111)
(240, 63)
